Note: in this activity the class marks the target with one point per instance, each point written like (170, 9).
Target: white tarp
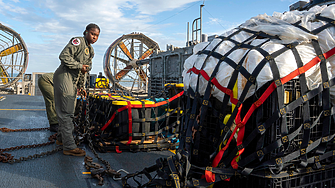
(279, 24)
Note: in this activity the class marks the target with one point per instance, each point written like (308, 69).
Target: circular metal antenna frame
(13, 57)
(124, 62)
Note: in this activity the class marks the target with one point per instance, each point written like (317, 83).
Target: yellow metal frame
(11, 50)
(175, 84)
(101, 83)
(122, 100)
(3, 74)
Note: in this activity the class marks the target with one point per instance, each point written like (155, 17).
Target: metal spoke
(122, 60)
(125, 50)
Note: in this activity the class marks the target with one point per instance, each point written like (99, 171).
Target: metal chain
(97, 170)
(109, 170)
(6, 157)
(106, 163)
(87, 114)
(4, 129)
(81, 124)
(90, 144)
(86, 124)
(77, 121)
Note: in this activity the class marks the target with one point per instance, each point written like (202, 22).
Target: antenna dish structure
(13, 57)
(126, 62)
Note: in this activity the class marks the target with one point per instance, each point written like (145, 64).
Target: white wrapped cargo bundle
(280, 25)
(258, 96)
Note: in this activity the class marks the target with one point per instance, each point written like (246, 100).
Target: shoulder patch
(87, 51)
(76, 41)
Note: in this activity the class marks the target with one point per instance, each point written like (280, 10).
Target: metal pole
(201, 21)
(196, 31)
(192, 31)
(115, 67)
(188, 34)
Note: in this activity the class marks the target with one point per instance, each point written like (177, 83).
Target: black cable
(214, 19)
(172, 15)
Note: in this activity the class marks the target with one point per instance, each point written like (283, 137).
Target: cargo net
(259, 102)
(125, 123)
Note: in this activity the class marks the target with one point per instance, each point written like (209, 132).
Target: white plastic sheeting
(279, 24)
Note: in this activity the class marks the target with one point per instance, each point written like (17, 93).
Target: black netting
(126, 123)
(258, 105)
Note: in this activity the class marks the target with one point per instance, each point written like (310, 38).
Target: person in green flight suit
(46, 85)
(76, 61)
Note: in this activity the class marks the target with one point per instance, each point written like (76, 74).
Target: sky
(46, 26)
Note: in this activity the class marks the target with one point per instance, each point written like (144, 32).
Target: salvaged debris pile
(274, 77)
(259, 103)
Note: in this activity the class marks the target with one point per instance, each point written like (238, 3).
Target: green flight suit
(67, 79)
(46, 85)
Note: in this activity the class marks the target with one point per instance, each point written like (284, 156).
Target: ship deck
(55, 170)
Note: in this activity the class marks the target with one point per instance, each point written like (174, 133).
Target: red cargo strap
(204, 74)
(164, 102)
(112, 118)
(130, 124)
(117, 149)
(239, 125)
(240, 137)
(216, 83)
(210, 176)
(218, 157)
(225, 90)
(193, 69)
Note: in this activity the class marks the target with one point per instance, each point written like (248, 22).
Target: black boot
(54, 127)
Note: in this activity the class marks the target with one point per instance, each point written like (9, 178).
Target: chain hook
(121, 170)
